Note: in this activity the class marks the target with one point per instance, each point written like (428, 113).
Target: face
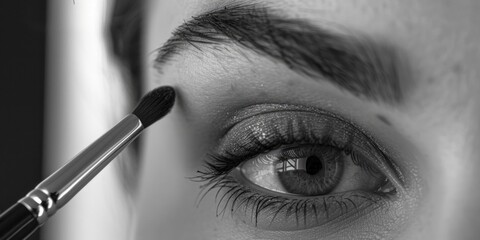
(313, 120)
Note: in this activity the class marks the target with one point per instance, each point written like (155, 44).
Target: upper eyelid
(257, 109)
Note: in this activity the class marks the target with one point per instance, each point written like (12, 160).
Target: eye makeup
(259, 130)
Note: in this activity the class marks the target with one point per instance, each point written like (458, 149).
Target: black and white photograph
(240, 119)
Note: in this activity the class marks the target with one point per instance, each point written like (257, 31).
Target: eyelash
(237, 196)
(232, 194)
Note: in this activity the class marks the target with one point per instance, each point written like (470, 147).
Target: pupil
(313, 165)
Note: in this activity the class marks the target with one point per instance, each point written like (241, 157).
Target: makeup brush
(32, 211)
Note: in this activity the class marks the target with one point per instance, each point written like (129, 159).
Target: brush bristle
(155, 105)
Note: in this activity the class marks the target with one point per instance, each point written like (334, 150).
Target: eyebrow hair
(358, 65)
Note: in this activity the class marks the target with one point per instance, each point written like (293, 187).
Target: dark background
(22, 71)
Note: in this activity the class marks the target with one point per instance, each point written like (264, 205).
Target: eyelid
(385, 164)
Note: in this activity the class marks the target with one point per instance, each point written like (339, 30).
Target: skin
(434, 131)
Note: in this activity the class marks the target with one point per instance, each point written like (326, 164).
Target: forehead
(437, 38)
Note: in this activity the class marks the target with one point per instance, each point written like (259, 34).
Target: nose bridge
(460, 208)
(461, 213)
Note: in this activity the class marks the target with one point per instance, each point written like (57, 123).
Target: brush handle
(17, 223)
(46, 198)
(56, 190)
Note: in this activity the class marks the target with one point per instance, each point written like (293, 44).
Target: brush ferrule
(40, 204)
(55, 191)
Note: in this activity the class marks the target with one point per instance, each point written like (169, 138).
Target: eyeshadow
(254, 110)
(259, 128)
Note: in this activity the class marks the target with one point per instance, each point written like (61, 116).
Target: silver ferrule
(55, 191)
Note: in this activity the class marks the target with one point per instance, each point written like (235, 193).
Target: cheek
(164, 192)
(166, 200)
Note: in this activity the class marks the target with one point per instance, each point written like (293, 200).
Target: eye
(288, 167)
(310, 170)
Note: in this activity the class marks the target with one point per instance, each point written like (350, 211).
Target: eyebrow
(358, 65)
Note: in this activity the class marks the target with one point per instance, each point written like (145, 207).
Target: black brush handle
(17, 223)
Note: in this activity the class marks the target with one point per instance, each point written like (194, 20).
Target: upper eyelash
(217, 165)
(221, 165)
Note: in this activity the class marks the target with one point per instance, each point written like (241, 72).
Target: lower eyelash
(230, 195)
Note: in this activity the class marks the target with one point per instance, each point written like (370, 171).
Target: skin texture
(434, 132)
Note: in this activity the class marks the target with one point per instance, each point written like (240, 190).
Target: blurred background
(61, 91)
(23, 46)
